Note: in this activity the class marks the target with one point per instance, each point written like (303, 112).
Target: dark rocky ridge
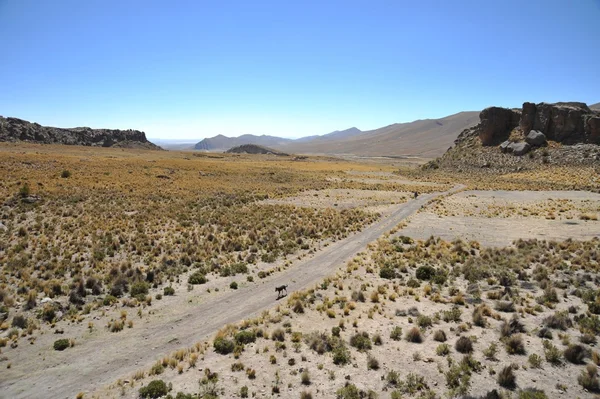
(14, 129)
(567, 123)
(254, 149)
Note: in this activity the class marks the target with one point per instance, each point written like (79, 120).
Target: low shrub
(61, 344)
(223, 345)
(464, 345)
(396, 333)
(245, 337)
(361, 341)
(197, 278)
(514, 345)
(575, 354)
(155, 389)
(589, 378)
(507, 378)
(414, 335)
(440, 336)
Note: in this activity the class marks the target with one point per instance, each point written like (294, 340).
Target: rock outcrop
(14, 129)
(566, 134)
(565, 122)
(496, 124)
(568, 123)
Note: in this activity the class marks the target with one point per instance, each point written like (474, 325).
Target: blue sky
(194, 69)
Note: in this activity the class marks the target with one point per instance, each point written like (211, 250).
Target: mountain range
(425, 138)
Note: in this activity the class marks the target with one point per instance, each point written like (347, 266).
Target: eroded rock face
(592, 129)
(496, 124)
(568, 123)
(14, 129)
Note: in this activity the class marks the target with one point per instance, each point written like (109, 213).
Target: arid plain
(130, 273)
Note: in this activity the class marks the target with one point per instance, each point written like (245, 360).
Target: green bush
(139, 288)
(233, 285)
(169, 291)
(223, 345)
(197, 278)
(65, 174)
(341, 355)
(155, 389)
(61, 344)
(348, 392)
(361, 341)
(396, 333)
(245, 337)
(425, 272)
(387, 273)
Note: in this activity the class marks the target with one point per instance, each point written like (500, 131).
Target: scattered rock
(504, 146)
(3, 227)
(536, 138)
(519, 148)
(30, 199)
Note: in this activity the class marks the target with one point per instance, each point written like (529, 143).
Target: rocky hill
(254, 149)
(222, 143)
(14, 129)
(566, 133)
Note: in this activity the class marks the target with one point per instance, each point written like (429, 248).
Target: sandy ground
(497, 218)
(100, 358)
(370, 201)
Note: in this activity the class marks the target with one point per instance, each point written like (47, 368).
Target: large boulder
(536, 138)
(496, 124)
(519, 148)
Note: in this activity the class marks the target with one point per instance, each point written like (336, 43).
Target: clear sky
(195, 69)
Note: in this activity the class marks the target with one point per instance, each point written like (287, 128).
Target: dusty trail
(97, 361)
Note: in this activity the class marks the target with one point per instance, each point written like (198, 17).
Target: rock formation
(567, 123)
(14, 129)
(496, 123)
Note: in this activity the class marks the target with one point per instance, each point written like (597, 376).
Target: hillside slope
(14, 129)
(426, 138)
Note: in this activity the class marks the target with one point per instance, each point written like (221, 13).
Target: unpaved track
(98, 361)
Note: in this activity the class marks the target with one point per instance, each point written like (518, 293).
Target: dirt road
(99, 360)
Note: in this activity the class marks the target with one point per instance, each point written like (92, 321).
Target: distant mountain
(223, 143)
(175, 145)
(426, 138)
(595, 107)
(14, 129)
(338, 134)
